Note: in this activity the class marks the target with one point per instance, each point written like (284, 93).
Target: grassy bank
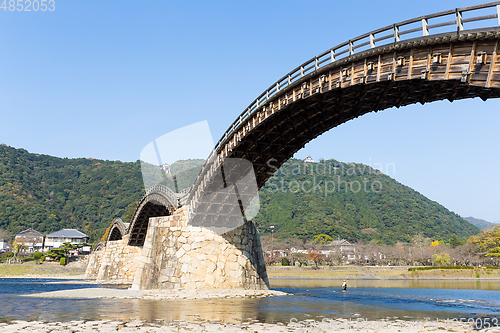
(369, 272)
(31, 270)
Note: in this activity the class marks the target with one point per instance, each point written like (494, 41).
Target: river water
(310, 299)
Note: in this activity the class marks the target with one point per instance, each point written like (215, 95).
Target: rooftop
(339, 242)
(72, 233)
(29, 231)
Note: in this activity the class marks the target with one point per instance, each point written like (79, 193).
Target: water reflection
(416, 284)
(226, 310)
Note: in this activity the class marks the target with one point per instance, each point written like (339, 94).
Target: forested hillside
(351, 201)
(50, 193)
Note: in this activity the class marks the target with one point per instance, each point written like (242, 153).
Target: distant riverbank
(44, 270)
(377, 273)
(281, 272)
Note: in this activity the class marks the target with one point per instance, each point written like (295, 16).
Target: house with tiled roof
(56, 239)
(31, 239)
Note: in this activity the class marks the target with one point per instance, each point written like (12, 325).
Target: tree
(285, 262)
(322, 239)
(16, 248)
(441, 259)
(105, 236)
(64, 250)
(488, 242)
(455, 241)
(37, 256)
(315, 256)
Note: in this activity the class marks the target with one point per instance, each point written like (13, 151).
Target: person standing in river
(344, 286)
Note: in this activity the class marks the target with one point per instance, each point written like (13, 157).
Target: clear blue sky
(104, 78)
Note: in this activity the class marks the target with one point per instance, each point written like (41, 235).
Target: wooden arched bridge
(449, 55)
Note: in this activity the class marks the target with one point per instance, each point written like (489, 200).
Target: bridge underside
(423, 71)
(115, 234)
(153, 205)
(273, 142)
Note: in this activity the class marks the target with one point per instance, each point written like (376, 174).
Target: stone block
(220, 265)
(232, 257)
(190, 285)
(210, 280)
(201, 271)
(185, 279)
(186, 259)
(242, 260)
(232, 266)
(186, 247)
(180, 253)
(210, 267)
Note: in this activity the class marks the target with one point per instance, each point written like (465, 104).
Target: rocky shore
(337, 325)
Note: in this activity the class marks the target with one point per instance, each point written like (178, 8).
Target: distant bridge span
(451, 55)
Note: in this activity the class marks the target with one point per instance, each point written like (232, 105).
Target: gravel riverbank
(338, 325)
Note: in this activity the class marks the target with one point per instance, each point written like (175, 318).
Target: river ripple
(311, 299)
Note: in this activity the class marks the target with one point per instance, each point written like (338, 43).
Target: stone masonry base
(175, 255)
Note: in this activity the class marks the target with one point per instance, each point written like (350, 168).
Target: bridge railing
(172, 197)
(446, 22)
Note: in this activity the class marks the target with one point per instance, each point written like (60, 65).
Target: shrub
(416, 269)
(62, 261)
(37, 255)
(285, 262)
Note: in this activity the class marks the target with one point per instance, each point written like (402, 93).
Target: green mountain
(481, 224)
(50, 193)
(351, 201)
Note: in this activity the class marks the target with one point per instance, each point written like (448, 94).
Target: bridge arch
(117, 230)
(343, 83)
(158, 201)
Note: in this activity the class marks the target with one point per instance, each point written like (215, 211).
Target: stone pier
(175, 255)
